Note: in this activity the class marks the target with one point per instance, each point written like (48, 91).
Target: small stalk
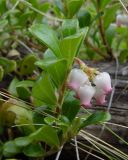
(102, 33)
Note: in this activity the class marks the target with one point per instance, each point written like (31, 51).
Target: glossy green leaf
(57, 69)
(96, 118)
(71, 107)
(110, 34)
(69, 27)
(47, 134)
(123, 57)
(34, 150)
(49, 54)
(10, 149)
(23, 90)
(22, 141)
(27, 65)
(44, 91)
(109, 16)
(8, 65)
(84, 18)
(12, 87)
(48, 36)
(104, 3)
(3, 7)
(73, 6)
(72, 44)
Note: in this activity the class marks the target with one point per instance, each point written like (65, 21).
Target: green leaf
(69, 27)
(44, 91)
(109, 16)
(3, 7)
(10, 149)
(96, 118)
(27, 65)
(8, 65)
(48, 36)
(23, 90)
(104, 3)
(73, 6)
(70, 46)
(71, 107)
(3, 24)
(110, 34)
(49, 54)
(123, 57)
(34, 150)
(47, 134)
(22, 141)
(84, 18)
(15, 112)
(57, 69)
(12, 87)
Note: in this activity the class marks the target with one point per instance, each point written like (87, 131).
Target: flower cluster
(86, 89)
(122, 20)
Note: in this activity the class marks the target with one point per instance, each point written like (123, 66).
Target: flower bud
(103, 82)
(76, 78)
(85, 93)
(100, 96)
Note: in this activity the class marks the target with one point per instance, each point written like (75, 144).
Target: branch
(97, 50)
(102, 33)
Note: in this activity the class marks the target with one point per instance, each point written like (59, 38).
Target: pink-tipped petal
(100, 96)
(86, 92)
(103, 81)
(76, 78)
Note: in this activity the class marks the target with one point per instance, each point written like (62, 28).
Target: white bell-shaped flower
(100, 96)
(122, 20)
(85, 93)
(76, 78)
(103, 82)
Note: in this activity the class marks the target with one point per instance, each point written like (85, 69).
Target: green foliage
(27, 65)
(47, 134)
(44, 91)
(43, 112)
(10, 149)
(34, 150)
(8, 65)
(57, 69)
(70, 107)
(48, 36)
(96, 118)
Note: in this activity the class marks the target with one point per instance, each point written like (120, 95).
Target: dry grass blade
(103, 144)
(89, 152)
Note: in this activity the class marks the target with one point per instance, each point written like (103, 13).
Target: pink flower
(103, 82)
(100, 96)
(76, 78)
(85, 93)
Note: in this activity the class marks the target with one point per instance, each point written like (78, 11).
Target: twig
(102, 33)
(97, 50)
